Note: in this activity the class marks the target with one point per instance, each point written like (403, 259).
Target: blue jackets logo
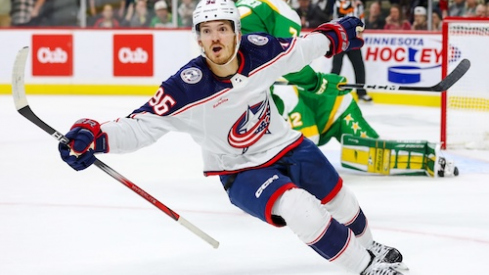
(250, 126)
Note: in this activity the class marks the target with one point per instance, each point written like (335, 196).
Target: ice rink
(55, 221)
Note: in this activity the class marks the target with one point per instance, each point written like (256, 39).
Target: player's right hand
(86, 139)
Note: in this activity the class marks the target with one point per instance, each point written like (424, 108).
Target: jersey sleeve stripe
(275, 59)
(185, 108)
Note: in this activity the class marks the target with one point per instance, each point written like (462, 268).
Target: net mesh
(467, 102)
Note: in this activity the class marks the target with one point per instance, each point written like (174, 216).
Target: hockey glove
(86, 139)
(343, 34)
(329, 83)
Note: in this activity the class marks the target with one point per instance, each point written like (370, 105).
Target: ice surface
(56, 221)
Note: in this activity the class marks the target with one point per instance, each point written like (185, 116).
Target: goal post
(465, 106)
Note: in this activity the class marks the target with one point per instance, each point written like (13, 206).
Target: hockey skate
(446, 168)
(378, 267)
(387, 254)
(365, 99)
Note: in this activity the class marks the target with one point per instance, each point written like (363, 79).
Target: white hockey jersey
(234, 121)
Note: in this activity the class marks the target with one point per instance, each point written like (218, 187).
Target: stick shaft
(20, 100)
(442, 86)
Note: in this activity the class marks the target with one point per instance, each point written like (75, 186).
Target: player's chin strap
(202, 52)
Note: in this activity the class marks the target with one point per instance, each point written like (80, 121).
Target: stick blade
(454, 76)
(18, 90)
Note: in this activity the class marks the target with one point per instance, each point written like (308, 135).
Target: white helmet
(210, 10)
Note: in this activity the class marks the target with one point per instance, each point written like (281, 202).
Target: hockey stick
(23, 108)
(443, 85)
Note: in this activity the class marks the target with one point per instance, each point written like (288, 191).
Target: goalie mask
(213, 10)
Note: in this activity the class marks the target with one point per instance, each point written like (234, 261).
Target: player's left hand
(343, 34)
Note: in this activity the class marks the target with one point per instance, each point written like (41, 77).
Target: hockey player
(222, 99)
(316, 107)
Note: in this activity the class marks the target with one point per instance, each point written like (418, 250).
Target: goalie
(316, 107)
(335, 114)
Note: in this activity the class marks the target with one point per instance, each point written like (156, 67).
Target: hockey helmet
(210, 10)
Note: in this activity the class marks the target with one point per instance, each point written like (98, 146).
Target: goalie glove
(329, 83)
(343, 34)
(86, 139)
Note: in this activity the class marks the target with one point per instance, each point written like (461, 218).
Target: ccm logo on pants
(265, 185)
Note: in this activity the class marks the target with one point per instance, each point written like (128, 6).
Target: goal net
(465, 106)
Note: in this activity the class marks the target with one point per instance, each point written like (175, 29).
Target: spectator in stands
(5, 7)
(92, 8)
(163, 18)
(139, 16)
(185, 11)
(395, 20)
(25, 12)
(481, 11)
(96, 8)
(151, 4)
(436, 20)
(59, 13)
(311, 16)
(420, 19)
(470, 7)
(457, 8)
(409, 8)
(92, 15)
(405, 7)
(125, 6)
(443, 6)
(107, 20)
(375, 21)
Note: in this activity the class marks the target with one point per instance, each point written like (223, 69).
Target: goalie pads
(390, 157)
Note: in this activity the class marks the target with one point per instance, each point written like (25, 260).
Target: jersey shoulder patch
(191, 75)
(257, 39)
